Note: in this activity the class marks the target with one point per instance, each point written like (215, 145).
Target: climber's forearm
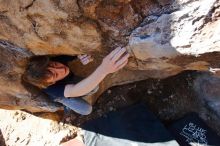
(86, 85)
(110, 64)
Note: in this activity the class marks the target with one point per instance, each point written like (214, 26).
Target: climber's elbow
(72, 91)
(67, 91)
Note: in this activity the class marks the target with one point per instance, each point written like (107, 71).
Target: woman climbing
(55, 78)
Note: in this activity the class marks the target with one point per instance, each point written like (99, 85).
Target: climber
(55, 78)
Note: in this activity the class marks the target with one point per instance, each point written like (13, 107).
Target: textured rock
(180, 40)
(207, 89)
(15, 94)
(47, 27)
(21, 129)
(164, 38)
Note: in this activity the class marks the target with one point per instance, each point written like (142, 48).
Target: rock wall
(28, 130)
(185, 39)
(13, 92)
(164, 38)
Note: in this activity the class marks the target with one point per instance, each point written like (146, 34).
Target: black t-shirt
(56, 91)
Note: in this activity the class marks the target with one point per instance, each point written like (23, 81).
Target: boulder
(163, 37)
(26, 129)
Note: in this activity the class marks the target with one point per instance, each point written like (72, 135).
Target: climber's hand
(85, 59)
(115, 60)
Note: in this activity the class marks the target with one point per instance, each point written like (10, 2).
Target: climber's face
(57, 70)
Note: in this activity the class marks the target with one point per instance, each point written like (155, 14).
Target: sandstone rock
(14, 94)
(46, 27)
(163, 37)
(189, 33)
(21, 128)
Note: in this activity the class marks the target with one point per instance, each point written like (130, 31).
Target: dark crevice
(2, 141)
(209, 17)
(80, 8)
(197, 19)
(167, 9)
(3, 12)
(34, 26)
(2, 16)
(98, 26)
(31, 4)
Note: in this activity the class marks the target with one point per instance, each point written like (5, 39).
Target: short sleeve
(55, 91)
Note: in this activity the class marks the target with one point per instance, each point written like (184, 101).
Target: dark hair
(36, 71)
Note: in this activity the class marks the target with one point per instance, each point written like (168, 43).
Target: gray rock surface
(190, 29)
(207, 89)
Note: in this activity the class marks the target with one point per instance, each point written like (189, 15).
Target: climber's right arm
(110, 64)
